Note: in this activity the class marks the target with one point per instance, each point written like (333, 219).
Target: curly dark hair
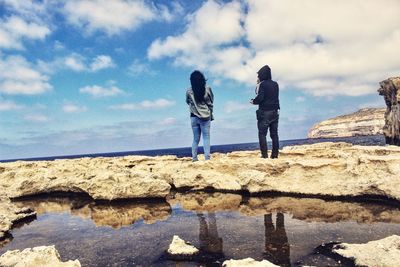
(198, 82)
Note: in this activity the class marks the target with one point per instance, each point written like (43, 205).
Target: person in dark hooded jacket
(267, 100)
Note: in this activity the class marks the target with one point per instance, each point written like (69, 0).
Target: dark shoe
(274, 156)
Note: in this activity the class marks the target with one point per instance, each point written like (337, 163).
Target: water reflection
(210, 242)
(283, 230)
(277, 248)
(114, 214)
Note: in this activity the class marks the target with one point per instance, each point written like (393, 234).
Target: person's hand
(251, 101)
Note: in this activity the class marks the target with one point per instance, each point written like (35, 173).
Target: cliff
(390, 90)
(366, 121)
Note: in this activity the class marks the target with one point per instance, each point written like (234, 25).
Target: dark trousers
(268, 119)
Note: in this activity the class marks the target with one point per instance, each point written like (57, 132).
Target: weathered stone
(323, 169)
(38, 256)
(180, 247)
(366, 121)
(390, 90)
(379, 253)
(10, 214)
(249, 262)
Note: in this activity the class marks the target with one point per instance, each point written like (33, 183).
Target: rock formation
(11, 214)
(390, 90)
(38, 256)
(249, 262)
(385, 252)
(323, 169)
(180, 247)
(366, 121)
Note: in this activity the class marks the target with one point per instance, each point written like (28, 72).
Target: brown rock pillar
(390, 90)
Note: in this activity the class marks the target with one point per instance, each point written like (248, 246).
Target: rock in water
(366, 121)
(248, 262)
(385, 252)
(180, 249)
(390, 90)
(37, 256)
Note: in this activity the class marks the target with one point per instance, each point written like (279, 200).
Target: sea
(377, 140)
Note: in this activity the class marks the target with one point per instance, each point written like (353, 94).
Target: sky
(93, 76)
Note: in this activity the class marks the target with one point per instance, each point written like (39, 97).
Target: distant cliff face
(366, 121)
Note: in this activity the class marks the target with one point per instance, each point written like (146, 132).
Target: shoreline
(181, 152)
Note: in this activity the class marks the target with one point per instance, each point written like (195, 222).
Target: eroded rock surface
(10, 214)
(390, 90)
(37, 256)
(249, 262)
(323, 169)
(366, 121)
(180, 247)
(382, 253)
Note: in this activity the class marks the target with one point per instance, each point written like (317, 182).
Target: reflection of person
(277, 248)
(200, 100)
(210, 242)
(267, 100)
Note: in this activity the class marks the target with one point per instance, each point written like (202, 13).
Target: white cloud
(78, 63)
(233, 106)
(14, 29)
(9, 105)
(138, 68)
(168, 122)
(37, 118)
(98, 91)
(18, 76)
(71, 108)
(102, 62)
(323, 48)
(146, 104)
(114, 16)
(74, 62)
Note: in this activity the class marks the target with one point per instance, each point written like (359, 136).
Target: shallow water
(283, 230)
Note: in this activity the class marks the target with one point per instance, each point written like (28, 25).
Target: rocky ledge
(10, 214)
(367, 121)
(323, 169)
(37, 256)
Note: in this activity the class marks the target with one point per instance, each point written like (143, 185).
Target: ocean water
(186, 151)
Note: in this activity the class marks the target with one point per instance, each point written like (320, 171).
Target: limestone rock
(390, 90)
(385, 252)
(10, 214)
(100, 178)
(180, 247)
(366, 121)
(248, 262)
(322, 169)
(33, 257)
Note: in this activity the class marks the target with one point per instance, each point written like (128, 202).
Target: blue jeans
(200, 127)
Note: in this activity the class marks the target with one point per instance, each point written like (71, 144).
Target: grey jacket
(201, 110)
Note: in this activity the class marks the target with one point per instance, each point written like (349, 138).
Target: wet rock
(11, 214)
(323, 169)
(37, 256)
(384, 252)
(366, 121)
(249, 262)
(180, 249)
(390, 90)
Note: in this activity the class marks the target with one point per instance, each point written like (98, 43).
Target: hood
(264, 73)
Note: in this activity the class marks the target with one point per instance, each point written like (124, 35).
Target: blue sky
(88, 76)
